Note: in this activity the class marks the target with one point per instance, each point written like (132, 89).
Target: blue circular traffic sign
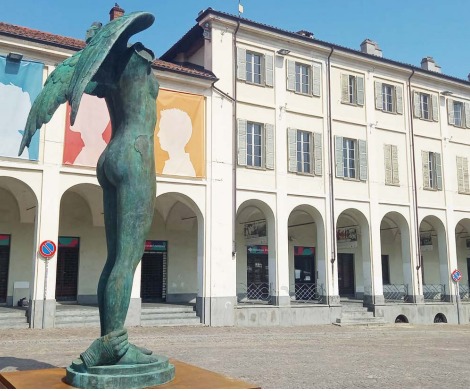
(47, 248)
(456, 275)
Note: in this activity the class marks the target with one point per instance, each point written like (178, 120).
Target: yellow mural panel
(179, 134)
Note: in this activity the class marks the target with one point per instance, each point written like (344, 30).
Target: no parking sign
(456, 275)
(47, 249)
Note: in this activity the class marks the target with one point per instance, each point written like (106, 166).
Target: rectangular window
(349, 158)
(391, 164)
(424, 100)
(462, 175)
(254, 143)
(388, 98)
(253, 68)
(425, 106)
(302, 78)
(304, 151)
(458, 113)
(432, 170)
(352, 89)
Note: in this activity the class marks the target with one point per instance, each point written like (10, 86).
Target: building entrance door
(4, 266)
(346, 274)
(305, 275)
(67, 269)
(154, 272)
(257, 273)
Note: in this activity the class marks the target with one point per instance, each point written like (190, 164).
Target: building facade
(305, 176)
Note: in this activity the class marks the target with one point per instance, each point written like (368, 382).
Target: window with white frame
(391, 164)
(255, 68)
(352, 89)
(462, 175)
(389, 98)
(304, 78)
(305, 151)
(432, 170)
(351, 158)
(255, 144)
(458, 113)
(425, 106)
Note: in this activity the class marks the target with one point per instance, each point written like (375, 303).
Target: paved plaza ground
(395, 356)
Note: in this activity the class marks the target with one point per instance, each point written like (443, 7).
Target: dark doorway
(4, 266)
(468, 271)
(346, 274)
(154, 272)
(385, 270)
(67, 269)
(257, 270)
(305, 275)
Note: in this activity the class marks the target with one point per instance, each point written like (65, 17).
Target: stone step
(77, 318)
(353, 315)
(172, 322)
(354, 309)
(72, 324)
(182, 315)
(12, 315)
(75, 312)
(378, 321)
(164, 310)
(14, 325)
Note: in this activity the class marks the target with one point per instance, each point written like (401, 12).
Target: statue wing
(54, 93)
(109, 41)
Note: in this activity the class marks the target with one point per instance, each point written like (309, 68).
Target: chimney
(305, 33)
(429, 64)
(370, 47)
(115, 12)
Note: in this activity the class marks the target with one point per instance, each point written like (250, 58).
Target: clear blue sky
(406, 30)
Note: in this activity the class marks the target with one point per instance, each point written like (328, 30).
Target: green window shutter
(362, 160)
(435, 108)
(317, 153)
(437, 156)
(388, 164)
(292, 149)
(339, 156)
(416, 105)
(316, 85)
(425, 157)
(269, 69)
(379, 104)
(450, 111)
(242, 142)
(465, 175)
(241, 64)
(360, 90)
(460, 178)
(291, 75)
(395, 172)
(269, 135)
(344, 88)
(467, 114)
(399, 99)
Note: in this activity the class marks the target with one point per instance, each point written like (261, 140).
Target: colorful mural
(179, 134)
(20, 84)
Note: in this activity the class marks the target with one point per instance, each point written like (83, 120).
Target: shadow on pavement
(12, 364)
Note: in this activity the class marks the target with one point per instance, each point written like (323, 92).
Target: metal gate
(154, 271)
(67, 269)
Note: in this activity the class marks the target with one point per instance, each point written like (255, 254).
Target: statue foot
(142, 350)
(134, 355)
(106, 350)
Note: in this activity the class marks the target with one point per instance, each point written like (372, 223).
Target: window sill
(464, 192)
(352, 104)
(390, 112)
(392, 184)
(351, 179)
(254, 168)
(431, 189)
(311, 174)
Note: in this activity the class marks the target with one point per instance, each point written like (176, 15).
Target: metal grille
(153, 280)
(306, 293)
(4, 266)
(464, 292)
(255, 293)
(67, 273)
(395, 292)
(434, 292)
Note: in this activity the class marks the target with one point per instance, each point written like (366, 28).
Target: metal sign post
(456, 277)
(47, 249)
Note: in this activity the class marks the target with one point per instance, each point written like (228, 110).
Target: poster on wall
(255, 232)
(425, 241)
(179, 134)
(346, 237)
(20, 84)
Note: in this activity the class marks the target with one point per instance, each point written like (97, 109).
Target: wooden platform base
(187, 376)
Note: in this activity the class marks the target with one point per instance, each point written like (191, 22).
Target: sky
(406, 30)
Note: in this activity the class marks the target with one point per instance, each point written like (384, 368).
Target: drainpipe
(413, 167)
(332, 191)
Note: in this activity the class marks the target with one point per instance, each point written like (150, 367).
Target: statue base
(120, 376)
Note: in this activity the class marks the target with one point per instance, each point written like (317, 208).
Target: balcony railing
(464, 292)
(306, 293)
(394, 293)
(254, 293)
(434, 292)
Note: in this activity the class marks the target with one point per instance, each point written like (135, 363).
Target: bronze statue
(121, 74)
